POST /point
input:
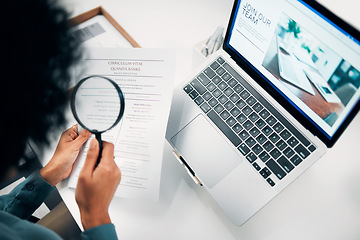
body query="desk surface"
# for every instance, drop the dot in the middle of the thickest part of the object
(324, 203)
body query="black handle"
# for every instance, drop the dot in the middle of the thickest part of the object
(98, 138)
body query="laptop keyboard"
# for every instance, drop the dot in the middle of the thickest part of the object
(272, 145)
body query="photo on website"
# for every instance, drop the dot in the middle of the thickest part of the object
(312, 71)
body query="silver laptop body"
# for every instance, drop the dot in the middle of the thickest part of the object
(238, 139)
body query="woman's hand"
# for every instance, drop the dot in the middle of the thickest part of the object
(97, 185)
(67, 150)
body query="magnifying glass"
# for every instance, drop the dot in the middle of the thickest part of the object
(97, 104)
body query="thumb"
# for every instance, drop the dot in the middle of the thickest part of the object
(82, 138)
(91, 157)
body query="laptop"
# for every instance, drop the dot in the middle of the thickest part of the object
(241, 131)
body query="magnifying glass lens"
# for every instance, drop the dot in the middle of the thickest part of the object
(97, 104)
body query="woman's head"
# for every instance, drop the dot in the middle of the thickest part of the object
(38, 51)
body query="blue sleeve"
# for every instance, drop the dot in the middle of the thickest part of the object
(26, 197)
(106, 231)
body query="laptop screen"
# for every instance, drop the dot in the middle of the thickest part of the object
(308, 59)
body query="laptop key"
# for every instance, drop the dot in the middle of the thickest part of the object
(213, 102)
(216, 80)
(228, 91)
(274, 137)
(312, 148)
(267, 130)
(288, 152)
(296, 160)
(276, 169)
(203, 79)
(237, 128)
(285, 134)
(247, 110)
(254, 132)
(226, 77)
(251, 157)
(243, 149)
(224, 128)
(268, 146)
(219, 108)
(278, 127)
(257, 149)
(209, 72)
(220, 60)
(263, 174)
(207, 96)
(250, 142)
(238, 88)
(231, 121)
(256, 166)
(199, 100)
(244, 135)
(292, 142)
(211, 87)
(241, 118)
(271, 120)
(229, 105)
(270, 181)
(222, 85)
(198, 86)
(248, 125)
(220, 71)
(240, 104)
(193, 94)
(225, 114)
(264, 113)
(232, 82)
(217, 93)
(285, 164)
(302, 151)
(260, 124)
(264, 156)
(245, 94)
(281, 145)
(234, 97)
(275, 153)
(214, 65)
(251, 101)
(261, 138)
(205, 107)
(257, 107)
(188, 88)
(253, 117)
(235, 112)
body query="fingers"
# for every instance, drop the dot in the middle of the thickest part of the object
(107, 158)
(108, 152)
(91, 157)
(82, 138)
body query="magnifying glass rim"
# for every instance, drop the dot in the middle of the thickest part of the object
(122, 103)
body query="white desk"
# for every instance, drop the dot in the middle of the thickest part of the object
(324, 203)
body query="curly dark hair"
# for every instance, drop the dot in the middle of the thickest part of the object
(38, 52)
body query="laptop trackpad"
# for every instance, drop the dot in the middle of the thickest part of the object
(206, 151)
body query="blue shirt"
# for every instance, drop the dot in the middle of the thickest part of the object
(23, 200)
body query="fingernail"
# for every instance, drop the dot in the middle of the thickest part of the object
(93, 144)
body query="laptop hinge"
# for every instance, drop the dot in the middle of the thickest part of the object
(187, 167)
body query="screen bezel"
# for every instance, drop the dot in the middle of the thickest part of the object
(329, 141)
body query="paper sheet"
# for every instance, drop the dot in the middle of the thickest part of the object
(146, 79)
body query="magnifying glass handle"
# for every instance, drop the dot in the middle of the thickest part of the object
(98, 138)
